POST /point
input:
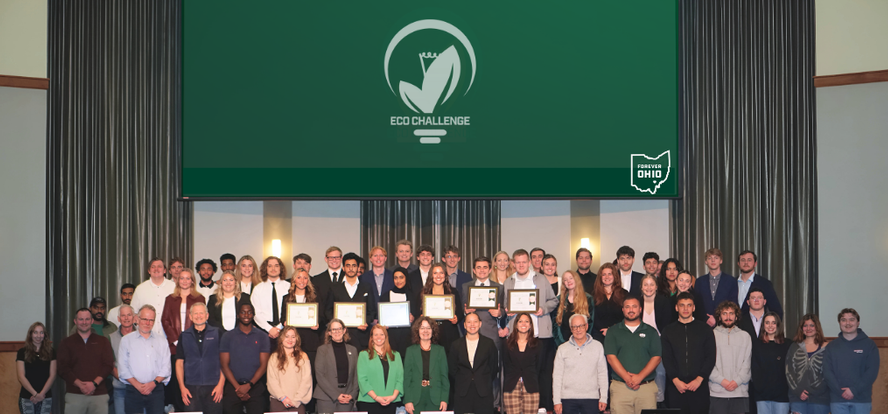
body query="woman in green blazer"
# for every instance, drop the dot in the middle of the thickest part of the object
(426, 382)
(380, 375)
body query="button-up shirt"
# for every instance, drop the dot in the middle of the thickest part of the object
(144, 358)
(147, 293)
(261, 299)
(713, 284)
(743, 287)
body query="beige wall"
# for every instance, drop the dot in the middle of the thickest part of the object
(23, 34)
(851, 36)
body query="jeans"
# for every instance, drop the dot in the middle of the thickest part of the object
(583, 406)
(43, 407)
(660, 379)
(850, 408)
(772, 407)
(119, 398)
(136, 403)
(808, 408)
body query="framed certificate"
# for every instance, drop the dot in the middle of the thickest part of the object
(483, 297)
(394, 314)
(352, 314)
(302, 315)
(523, 300)
(438, 306)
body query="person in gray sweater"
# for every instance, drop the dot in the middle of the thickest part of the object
(729, 380)
(579, 377)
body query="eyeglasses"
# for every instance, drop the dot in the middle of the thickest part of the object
(146, 320)
(425, 328)
(450, 256)
(335, 330)
(334, 257)
(583, 326)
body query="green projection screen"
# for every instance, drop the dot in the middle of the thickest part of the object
(414, 99)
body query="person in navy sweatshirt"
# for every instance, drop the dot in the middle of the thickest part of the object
(850, 366)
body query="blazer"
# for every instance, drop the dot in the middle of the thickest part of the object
(215, 318)
(635, 288)
(415, 280)
(322, 281)
(338, 293)
(489, 324)
(663, 311)
(439, 389)
(170, 320)
(325, 366)
(461, 279)
(772, 302)
(463, 373)
(388, 282)
(526, 365)
(370, 377)
(547, 300)
(727, 290)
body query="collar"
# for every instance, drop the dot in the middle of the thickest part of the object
(751, 278)
(574, 343)
(484, 283)
(201, 285)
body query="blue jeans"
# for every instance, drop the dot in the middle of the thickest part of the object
(119, 398)
(850, 408)
(808, 408)
(136, 403)
(772, 407)
(584, 406)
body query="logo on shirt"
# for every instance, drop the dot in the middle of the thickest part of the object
(446, 72)
(649, 173)
(641, 335)
(858, 351)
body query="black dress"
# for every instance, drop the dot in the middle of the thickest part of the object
(447, 331)
(400, 338)
(607, 314)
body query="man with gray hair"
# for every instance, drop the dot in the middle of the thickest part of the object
(126, 317)
(143, 362)
(579, 378)
(197, 364)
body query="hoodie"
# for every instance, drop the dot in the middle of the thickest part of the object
(851, 364)
(732, 362)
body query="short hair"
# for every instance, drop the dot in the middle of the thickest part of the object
(328, 336)
(125, 306)
(630, 296)
(155, 259)
(650, 255)
(227, 256)
(578, 315)
(425, 248)
(149, 307)
(127, 285)
(724, 306)
(684, 296)
(482, 259)
(375, 248)
(754, 256)
(206, 261)
(83, 310)
(350, 256)
(177, 260)
(520, 252)
(97, 300)
(537, 249)
(302, 256)
(198, 303)
(246, 303)
(627, 251)
(581, 250)
(360, 261)
(332, 249)
(755, 289)
(404, 242)
(848, 310)
(713, 252)
(452, 249)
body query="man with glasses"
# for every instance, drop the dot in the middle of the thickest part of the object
(380, 279)
(747, 261)
(144, 365)
(579, 379)
(456, 277)
(633, 350)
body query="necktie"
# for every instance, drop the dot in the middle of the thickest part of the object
(334, 276)
(274, 306)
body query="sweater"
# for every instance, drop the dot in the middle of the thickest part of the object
(733, 351)
(806, 374)
(769, 370)
(851, 364)
(688, 350)
(580, 371)
(85, 361)
(294, 382)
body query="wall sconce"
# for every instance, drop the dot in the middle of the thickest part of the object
(276, 248)
(584, 243)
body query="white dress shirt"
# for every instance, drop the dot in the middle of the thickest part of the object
(144, 358)
(527, 283)
(147, 293)
(625, 279)
(261, 299)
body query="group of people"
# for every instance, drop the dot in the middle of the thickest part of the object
(617, 340)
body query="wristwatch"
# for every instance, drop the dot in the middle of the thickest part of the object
(94, 384)
(156, 382)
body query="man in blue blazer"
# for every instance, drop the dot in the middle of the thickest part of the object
(747, 261)
(380, 279)
(716, 286)
(456, 277)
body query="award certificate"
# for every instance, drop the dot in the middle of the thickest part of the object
(483, 297)
(394, 314)
(352, 314)
(302, 315)
(438, 306)
(523, 300)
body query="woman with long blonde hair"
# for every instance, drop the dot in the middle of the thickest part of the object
(289, 374)
(222, 305)
(572, 299)
(502, 267)
(247, 273)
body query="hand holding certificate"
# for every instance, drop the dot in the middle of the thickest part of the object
(438, 306)
(483, 297)
(302, 315)
(523, 300)
(352, 314)
(394, 314)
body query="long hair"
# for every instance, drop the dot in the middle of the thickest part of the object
(414, 330)
(509, 269)
(178, 291)
(310, 295)
(819, 338)
(387, 349)
(512, 340)
(724, 306)
(599, 294)
(263, 269)
(220, 294)
(778, 336)
(580, 305)
(430, 281)
(31, 351)
(254, 279)
(328, 336)
(662, 282)
(281, 352)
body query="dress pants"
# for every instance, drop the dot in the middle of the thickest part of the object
(472, 402)
(691, 402)
(202, 400)
(547, 365)
(257, 404)
(86, 404)
(136, 403)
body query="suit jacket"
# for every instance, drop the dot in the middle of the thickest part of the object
(635, 288)
(171, 318)
(338, 293)
(438, 375)
(726, 290)
(215, 317)
(415, 280)
(663, 311)
(772, 301)
(547, 300)
(461, 279)
(463, 372)
(322, 281)
(328, 384)
(371, 377)
(489, 324)
(526, 365)
(744, 322)
(388, 282)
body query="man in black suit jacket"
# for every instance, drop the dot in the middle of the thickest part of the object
(425, 255)
(630, 279)
(342, 292)
(584, 271)
(333, 274)
(472, 372)
(747, 261)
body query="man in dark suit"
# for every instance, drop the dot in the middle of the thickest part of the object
(425, 255)
(716, 286)
(456, 277)
(489, 324)
(756, 307)
(584, 271)
(747, 261)
(380, 279)
(333, 274)
(631, 280)
(473, 362)
(352, 290)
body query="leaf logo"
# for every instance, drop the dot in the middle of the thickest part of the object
(444, 70)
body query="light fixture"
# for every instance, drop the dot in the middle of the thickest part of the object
(584, 243)
(276, 248)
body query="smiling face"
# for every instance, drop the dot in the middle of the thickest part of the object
(403, 253)
(651, 265)
(770, 324)
(502, 262)
(549, 266)
(378, 258)
(302, 264)
(245, 314)
(849, 323)
(438, 275)
(524, 324)
(584, 261)
(425, 331)
(156, 269)
(126, 317)
(199, 314)
(185, 280)
(425, 258)
(683, 282)
(37, 336)
(569, 282)
(631, 310)
(333, 259)
(301, 280)
(336, 331)
(451, 259)
(378, 336)
(536, 258)
(607, 277)
(400, 280)
(809, 329)
(228, 283)
(175, 268)
(649, 287)
(247, 268)
(522, 264)
(481, 269)
(289, 340)
(473, 324)
(83, 320)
